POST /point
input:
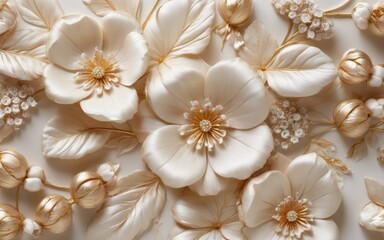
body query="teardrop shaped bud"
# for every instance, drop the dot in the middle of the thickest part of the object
(235, 12)
(88, 190)
(54, 213)
(352, 118)
(355, 67)
(13, 169)
(376, 21)
(11, 222)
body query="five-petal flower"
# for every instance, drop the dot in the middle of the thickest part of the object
(214, 126)
(96, 64)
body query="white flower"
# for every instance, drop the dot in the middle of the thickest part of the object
(213, 126)
(210, 217)
(96, 64)
(377, 77)
(372, 215)
(293, 205)
(361, 14)
(376, 107)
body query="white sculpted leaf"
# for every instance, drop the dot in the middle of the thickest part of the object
(104, 7)
(259, 46)
(375, 191)
(135, 204)
(299, 71)
(71, 135)
(372, 217)
(20, 65)
(180, 27)
(40, 13)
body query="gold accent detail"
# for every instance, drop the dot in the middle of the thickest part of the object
(99, 73)
(205, 125)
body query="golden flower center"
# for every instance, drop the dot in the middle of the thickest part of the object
(98, 73)
(292, 216)
(205, 125)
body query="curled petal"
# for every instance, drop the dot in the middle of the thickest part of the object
(311, 178)
(234, 85)
(242, 153)
(169, 156)
(70, 37)
(118, 105)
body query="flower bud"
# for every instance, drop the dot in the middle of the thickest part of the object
(377, 77)
(13, 169)
(235, 12)
(352, 118)
(10, 222)
(31, 227)
(361, 15)
(54, 213)
(376, 21)
(88, 190)
(107, 172)
(35, 179)
(376, 107)
(355, 67)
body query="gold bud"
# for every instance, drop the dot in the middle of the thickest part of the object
(352, 118)
(11, 222)
(54, 213)
(355, 67)
(376, 21)
(13, 169)
(88, 190)
(235, 12)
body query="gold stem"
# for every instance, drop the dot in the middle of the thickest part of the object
(111, 130)
(339, 7)
(321, 122)
(338, 14)
(288, 32)
(55, 186)
(138, 10)
(321, 132)
(18, 197)
(38, 92)
(378, 124)
(150, 14)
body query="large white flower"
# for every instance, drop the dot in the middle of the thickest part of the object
(96, 64)
(293, 205)
(214, 126)
(209, 217)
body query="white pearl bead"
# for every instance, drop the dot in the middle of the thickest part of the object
(36, 172)
(33, 184)
(31, 227)
(107, 171)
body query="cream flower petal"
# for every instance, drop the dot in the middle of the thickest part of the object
(322, 229)
(210, 184)
(118, 105)
(372, 217)
(235, 86)
(171, 93)
(232, 231)
(242, 153)
(61, 86)
(116, 27)
(145, 121)
(132, 59)
(265, 231)
(194, 211)
(72, 36)
(261, 196)
(311, 178)
(212, 235)
(191, 234)
(169, 156)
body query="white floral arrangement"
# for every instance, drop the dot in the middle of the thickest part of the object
(133, 76)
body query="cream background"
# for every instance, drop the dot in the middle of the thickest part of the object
(28, 141)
